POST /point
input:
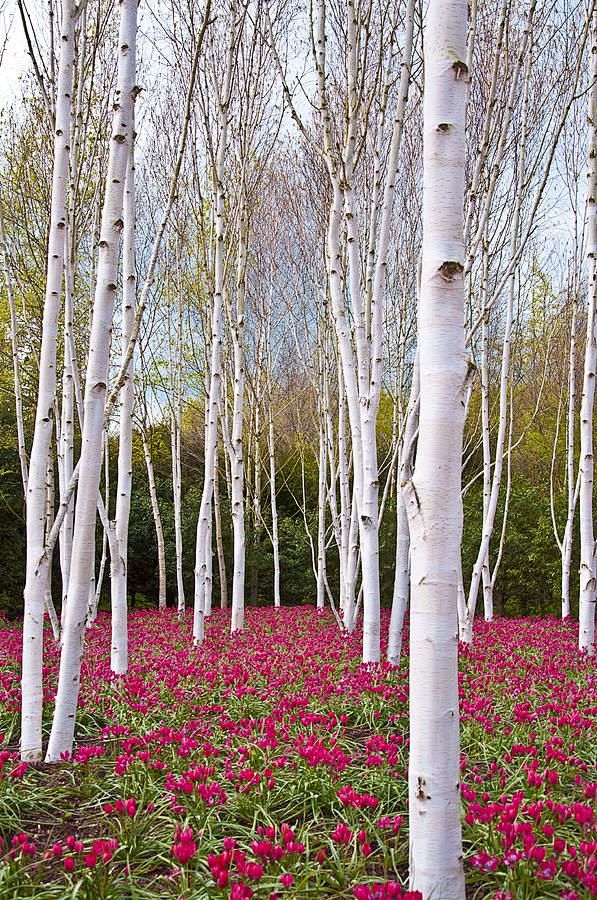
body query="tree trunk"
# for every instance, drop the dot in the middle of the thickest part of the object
(157, 520)
(586, 606)
(215, 371)
(274, 506)
(63, 725)
(237, 468)
(321, 492)
(402, 572)
(490, 506)
(36, 573)
(433, 495)
(14, 340)
(567, 539)
(219, 539)
(119, 567)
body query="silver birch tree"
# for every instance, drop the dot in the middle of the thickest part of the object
(433, 494)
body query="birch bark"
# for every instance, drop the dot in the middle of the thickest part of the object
(215, 383)
(567, 539)
(274, 504)
(235, 445)
(119, 566)
(588, 587)
(402, 572)
(14, 342)
(176, 431)
(157, 521)
(433, 495)
(63, 724)
(490, 503)
(36, 572)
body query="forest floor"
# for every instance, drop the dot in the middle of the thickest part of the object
(273, 765)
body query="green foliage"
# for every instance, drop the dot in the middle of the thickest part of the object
(296, 573)
(529, 579)
(528, 582)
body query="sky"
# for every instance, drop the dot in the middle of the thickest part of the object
(15, 60)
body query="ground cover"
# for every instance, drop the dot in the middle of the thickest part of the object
(273, 765)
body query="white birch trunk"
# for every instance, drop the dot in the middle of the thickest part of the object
(256, 510)
(490, 506)
(95, 585)
(402, 572)
(209, 567)
(219, 539)
(401, 582)
(360, 341)
(215, 383)
(500, 552)
(50, 491)
(67, 429)
(586, 606)
(176, 459)
(157, 521)
(237, 498)
(485, 426)
(61, 737)
(567, 539)
(434, 495)
(119, 566)
(14, 341)
(321, 495)
(274, 506)
(176, 364)
(177, 492)
(348, 549)
(36, 573)
(237, 468)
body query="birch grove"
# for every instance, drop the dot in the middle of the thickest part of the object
(298, 308)
(96, 386)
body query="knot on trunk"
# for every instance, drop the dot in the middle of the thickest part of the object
(420, 791)
(460, 69)
(450, 269)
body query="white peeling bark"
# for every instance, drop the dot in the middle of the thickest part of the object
(348, 543)
(50, 491)
(359, 331)
(235, 447)
(215, 370)
(157, 521)
(490, 504)
(219, 539)
(119, 565)
(434, 494)
(63, 725)
(588, 586)
(321, 493)
(96, 584)
(35, 582)
(567, 539)
(176, 431)
(14, 341)
(402, 572)
(274, 505)
(67, 429)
